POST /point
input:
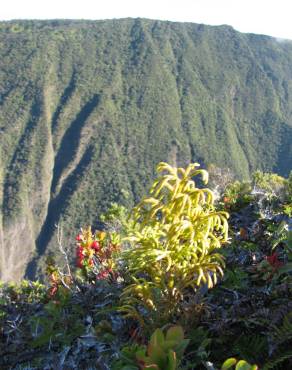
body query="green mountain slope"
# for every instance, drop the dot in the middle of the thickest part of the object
(88, 108)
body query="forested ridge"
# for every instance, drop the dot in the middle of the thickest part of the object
(88, 108)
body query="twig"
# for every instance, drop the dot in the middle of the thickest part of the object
(62, 250)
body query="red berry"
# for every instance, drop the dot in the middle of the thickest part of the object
(79, 262)
(95, 245)
(102, 275)
(79, 237)
(79, 252)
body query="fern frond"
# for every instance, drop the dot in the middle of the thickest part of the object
(284, 332)
(252, 348)
(275, 363)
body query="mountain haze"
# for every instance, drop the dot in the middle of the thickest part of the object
(88, 108)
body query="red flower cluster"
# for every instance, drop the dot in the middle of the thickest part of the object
(80, 256)
(103, 274)
(274, 261)
(96, 250)
(86, 248)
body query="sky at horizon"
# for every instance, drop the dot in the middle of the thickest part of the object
(267, 17)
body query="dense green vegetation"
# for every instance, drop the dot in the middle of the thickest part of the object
(171, 285)
(87, 109)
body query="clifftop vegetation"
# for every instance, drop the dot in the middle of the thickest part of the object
(186, 280)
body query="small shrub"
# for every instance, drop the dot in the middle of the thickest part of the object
(174, 248)
(237, 195)
(96, 254)
(270, 182)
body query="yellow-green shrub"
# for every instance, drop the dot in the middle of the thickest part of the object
(270, 182)
(174, 248)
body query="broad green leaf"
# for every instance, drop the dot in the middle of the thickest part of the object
(172, 362)
(169, 344)
(175, 333)
(243, 365)
(228, 363)
(157, 338)
(157, 355)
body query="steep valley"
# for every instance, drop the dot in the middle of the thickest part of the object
(88, 108)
